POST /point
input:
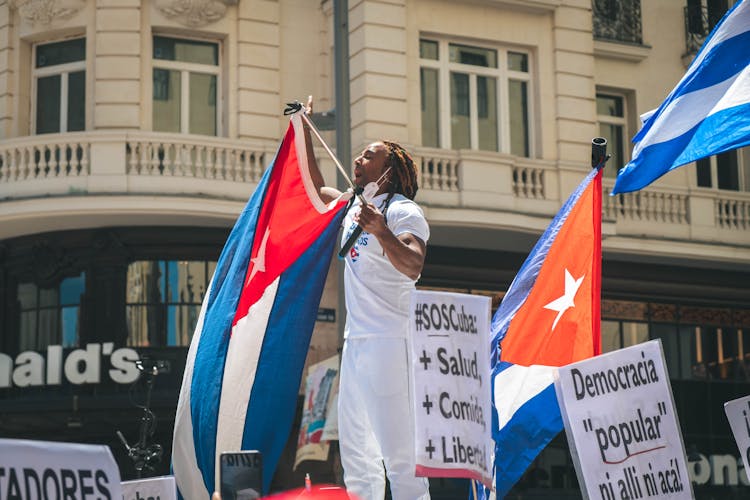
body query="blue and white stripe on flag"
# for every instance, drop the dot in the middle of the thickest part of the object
(244, 365)
(707, 113)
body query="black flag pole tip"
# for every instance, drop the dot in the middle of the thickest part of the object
(292, 107)
(599, 155)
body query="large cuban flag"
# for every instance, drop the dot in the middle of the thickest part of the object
(245, 361)
(707, 113)
(548, 318)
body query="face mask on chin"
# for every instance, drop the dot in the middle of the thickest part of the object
(371, 188)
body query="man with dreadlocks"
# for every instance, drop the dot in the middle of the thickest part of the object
(376, 424)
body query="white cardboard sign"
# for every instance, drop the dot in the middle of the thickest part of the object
(622, 427)
(449, 345)
(738, 413)
(153, 488)
(43, 469)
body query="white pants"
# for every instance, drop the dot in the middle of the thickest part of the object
(376, 423)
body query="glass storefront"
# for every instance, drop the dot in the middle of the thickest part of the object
(78, 309)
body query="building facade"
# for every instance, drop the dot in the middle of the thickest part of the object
(133, 131)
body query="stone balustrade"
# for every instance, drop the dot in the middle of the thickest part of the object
(160, 164)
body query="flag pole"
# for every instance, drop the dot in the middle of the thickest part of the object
(295, 107)
(355, 189)
(328, 150)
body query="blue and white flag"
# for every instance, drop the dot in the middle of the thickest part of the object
(244, 365)
(707, 113)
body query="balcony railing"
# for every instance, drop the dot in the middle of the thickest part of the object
(130, 162)
(506, 188)
(733, 214)
(617, 20)
(54, 157)
(150, 155)
(646, 206)
(528, 182)
(438, 171)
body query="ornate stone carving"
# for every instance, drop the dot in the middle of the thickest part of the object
(194, 13)
(46, 11)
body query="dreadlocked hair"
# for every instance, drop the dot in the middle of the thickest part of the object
(404, 173)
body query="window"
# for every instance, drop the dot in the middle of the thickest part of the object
(59, 80)
(617, 20)
(475, 97)
(701, 16)
(700, 343)
(185, 80)
(50, 316)
(163, 301)
(719, 353)
(729, 170)
(610, 111)
(620, 334)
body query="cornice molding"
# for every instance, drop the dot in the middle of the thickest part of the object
(622, 51)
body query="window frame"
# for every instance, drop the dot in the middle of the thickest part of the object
(742, 157)
(64, 70)
(161, 308)
(185, 69)
(58, 309)
(617, 121)
(502, 74)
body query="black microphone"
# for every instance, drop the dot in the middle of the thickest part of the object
(357, 230)
(350, 242)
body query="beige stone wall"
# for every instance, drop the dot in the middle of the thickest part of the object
(7, 73)
(574, 81)
(116, 64)
(378, 70)
(259, 68)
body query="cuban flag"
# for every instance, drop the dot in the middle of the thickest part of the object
(548, 318)
(244, 365)
(707, 113)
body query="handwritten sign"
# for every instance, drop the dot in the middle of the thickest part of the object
(449, 342)
(738, 413)
(622, 427)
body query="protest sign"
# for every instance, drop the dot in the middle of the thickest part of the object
(738, 413)
(449, 346)
(320, 388)
(153, 488)
(331, 429)
(622, 427)
(43, 469)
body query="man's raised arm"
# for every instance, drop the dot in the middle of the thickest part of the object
(327, 193)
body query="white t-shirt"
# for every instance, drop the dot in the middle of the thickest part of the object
(377, 295)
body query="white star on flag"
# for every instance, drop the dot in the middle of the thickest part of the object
(565, 302)
(259, 262)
